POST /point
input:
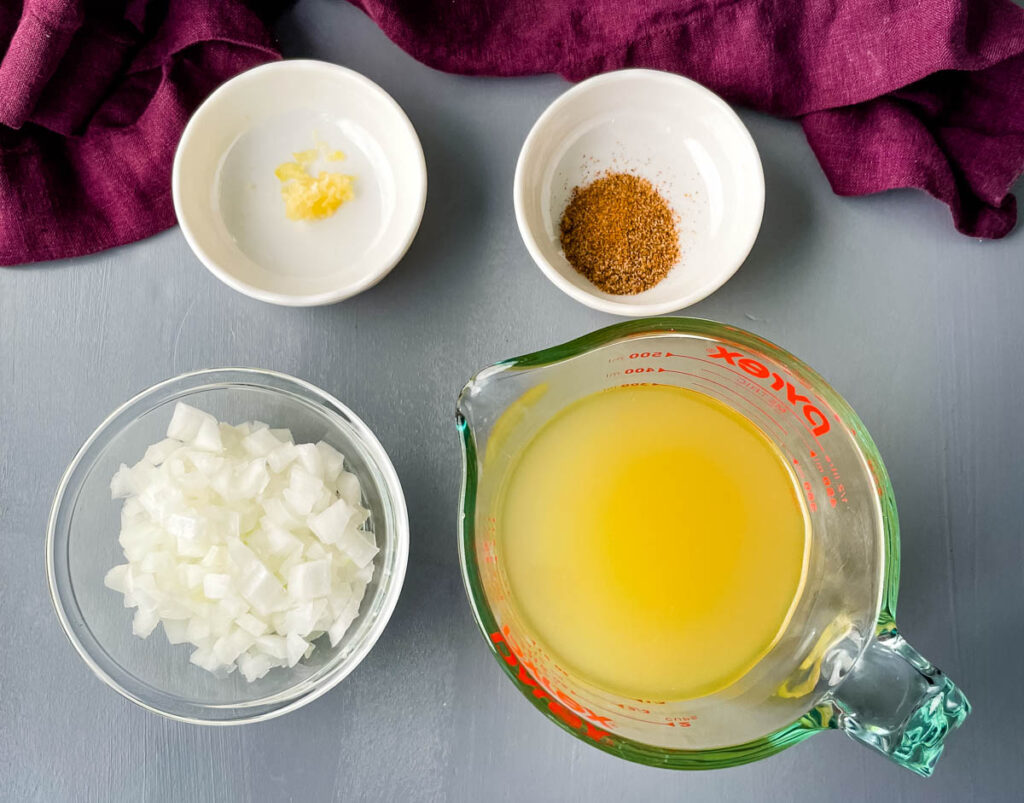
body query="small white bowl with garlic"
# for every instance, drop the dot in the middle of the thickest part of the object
(321, 120)
(251, 555)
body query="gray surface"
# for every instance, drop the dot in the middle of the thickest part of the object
(919, 327)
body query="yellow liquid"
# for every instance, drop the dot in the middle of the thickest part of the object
(654, 540)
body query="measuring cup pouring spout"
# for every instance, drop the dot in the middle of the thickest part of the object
(839, 663)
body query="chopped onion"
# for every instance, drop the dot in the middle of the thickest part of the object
(296, 647)
(242, 543)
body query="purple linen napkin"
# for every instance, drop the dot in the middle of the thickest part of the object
(93, 98)
(891, 93)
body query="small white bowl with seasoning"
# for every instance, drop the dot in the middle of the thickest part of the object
(299, 183)
(669, 192)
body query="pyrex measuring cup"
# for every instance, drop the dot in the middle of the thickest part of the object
(840, 661)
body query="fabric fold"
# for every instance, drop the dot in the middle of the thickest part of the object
(891, 93)
(34, 53)
(88, 164)
(927, 94)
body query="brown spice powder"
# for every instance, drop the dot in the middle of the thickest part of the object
(620, 233)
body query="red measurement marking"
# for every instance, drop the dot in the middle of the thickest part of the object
(817, 419)
(742, 375)
(751, 414)
(756, 369)
(559, 703)
(772, 418)
(834, 488)
(725, 387)
(810, 497)
(762, 392)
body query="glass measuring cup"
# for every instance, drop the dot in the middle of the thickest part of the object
(840, 662)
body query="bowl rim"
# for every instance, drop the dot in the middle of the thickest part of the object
(391, 593)
(589, 297)
(417, 183)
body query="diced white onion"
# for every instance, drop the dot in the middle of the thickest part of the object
(296, 646)
(282, 457)
(253, 666)
(348, 487)
(144, 622)
(217, 586)
(310, 580)
(303, 490)
(329, 526)
(250, 624)
(242, 543)
(116, 579)
(310, 459)
(208, 436)
(204, 658)
(332, 459)
(176, 630)
(260, 443)
(358, 545)
(185, 422)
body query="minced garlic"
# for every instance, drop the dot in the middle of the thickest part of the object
(309, 197)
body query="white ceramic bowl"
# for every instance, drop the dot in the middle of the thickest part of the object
(668, 129)
(228, 200)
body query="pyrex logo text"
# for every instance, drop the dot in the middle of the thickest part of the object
(564, 707)
(816, 418)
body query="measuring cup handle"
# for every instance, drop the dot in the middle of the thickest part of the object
(897, 702)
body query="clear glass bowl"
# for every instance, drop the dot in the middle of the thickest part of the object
(82, 545)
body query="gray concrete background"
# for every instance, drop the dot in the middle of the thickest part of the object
(919, 327)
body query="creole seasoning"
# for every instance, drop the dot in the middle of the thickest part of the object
(620, 233)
